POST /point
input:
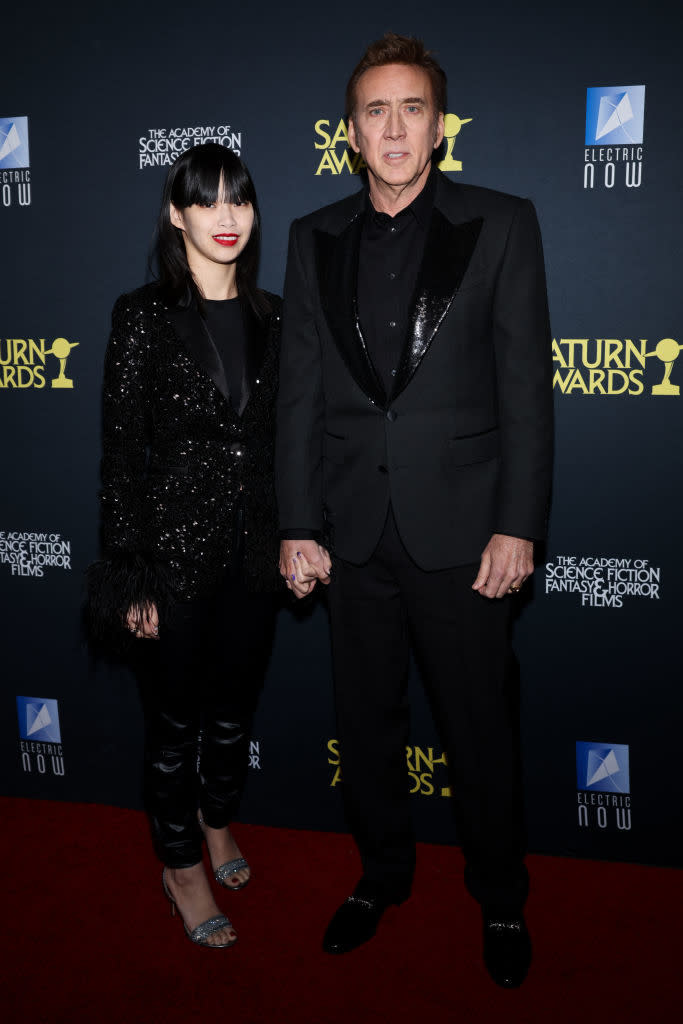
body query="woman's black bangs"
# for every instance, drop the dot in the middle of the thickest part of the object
(202, 184)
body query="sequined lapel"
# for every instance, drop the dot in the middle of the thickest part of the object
(447, 253)
(192, 331)
(337, 263)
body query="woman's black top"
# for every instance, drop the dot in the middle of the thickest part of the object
(225, 325)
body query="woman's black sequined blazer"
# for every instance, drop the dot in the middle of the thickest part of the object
(184, 478)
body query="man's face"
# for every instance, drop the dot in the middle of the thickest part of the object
(394, 126)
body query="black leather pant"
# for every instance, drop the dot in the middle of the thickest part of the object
(199, 684)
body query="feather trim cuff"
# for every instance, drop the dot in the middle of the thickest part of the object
(116, 583)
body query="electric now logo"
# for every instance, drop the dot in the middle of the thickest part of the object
(14, 142)
(40, 738)
(615, 115)
(38, 719)
(15, 170)
(603, 785)
(615, 126)
(601, 768)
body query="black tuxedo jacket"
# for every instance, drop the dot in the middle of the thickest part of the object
(463, 446)
(178, 461)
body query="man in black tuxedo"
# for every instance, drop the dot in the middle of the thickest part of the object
(415, 445)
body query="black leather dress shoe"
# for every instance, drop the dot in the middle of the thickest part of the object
(354, 923)
(507, 949)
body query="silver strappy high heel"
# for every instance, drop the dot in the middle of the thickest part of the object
(201, 933)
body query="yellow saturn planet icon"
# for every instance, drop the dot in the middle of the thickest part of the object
(666, 351)
(61, 349)
(452, 124)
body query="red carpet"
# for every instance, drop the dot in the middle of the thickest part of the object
(87, 936)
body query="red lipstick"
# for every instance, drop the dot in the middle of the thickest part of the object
(227, 240)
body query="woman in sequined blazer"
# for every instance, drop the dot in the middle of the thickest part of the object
(188, 517)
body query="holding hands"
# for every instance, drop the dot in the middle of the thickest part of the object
(302, 564)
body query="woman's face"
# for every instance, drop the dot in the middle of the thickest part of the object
(216, 233)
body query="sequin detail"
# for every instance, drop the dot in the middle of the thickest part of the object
(227, 870)
(368, 904)
(201, 933)
(501, 927)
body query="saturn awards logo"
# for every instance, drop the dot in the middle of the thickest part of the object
(613, 153)
(23, 363)
(40, 737)
(603, 786)
(616, 366)
(160, 147)
(427, 772)
(452, 126)
(337, 157)
(15, 168)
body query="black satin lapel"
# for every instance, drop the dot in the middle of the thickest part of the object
(448, 250)
(257, 334)
(191, 330)
(337, 263)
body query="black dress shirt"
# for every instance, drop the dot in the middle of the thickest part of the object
(389, 261)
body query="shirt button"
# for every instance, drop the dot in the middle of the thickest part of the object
(392, 323)
(393, 229)
(392, 277)
(391, 415)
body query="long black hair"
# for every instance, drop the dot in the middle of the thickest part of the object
(197, 177)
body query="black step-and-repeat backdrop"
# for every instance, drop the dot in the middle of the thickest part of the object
(577, 108)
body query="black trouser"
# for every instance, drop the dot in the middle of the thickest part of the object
(199, 683)
(462, 643)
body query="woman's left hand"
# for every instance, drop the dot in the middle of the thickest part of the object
(143, 622)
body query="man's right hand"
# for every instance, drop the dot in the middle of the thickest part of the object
(302, 564)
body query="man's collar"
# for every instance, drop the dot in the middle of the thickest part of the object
(420, 208)
(422, 204)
